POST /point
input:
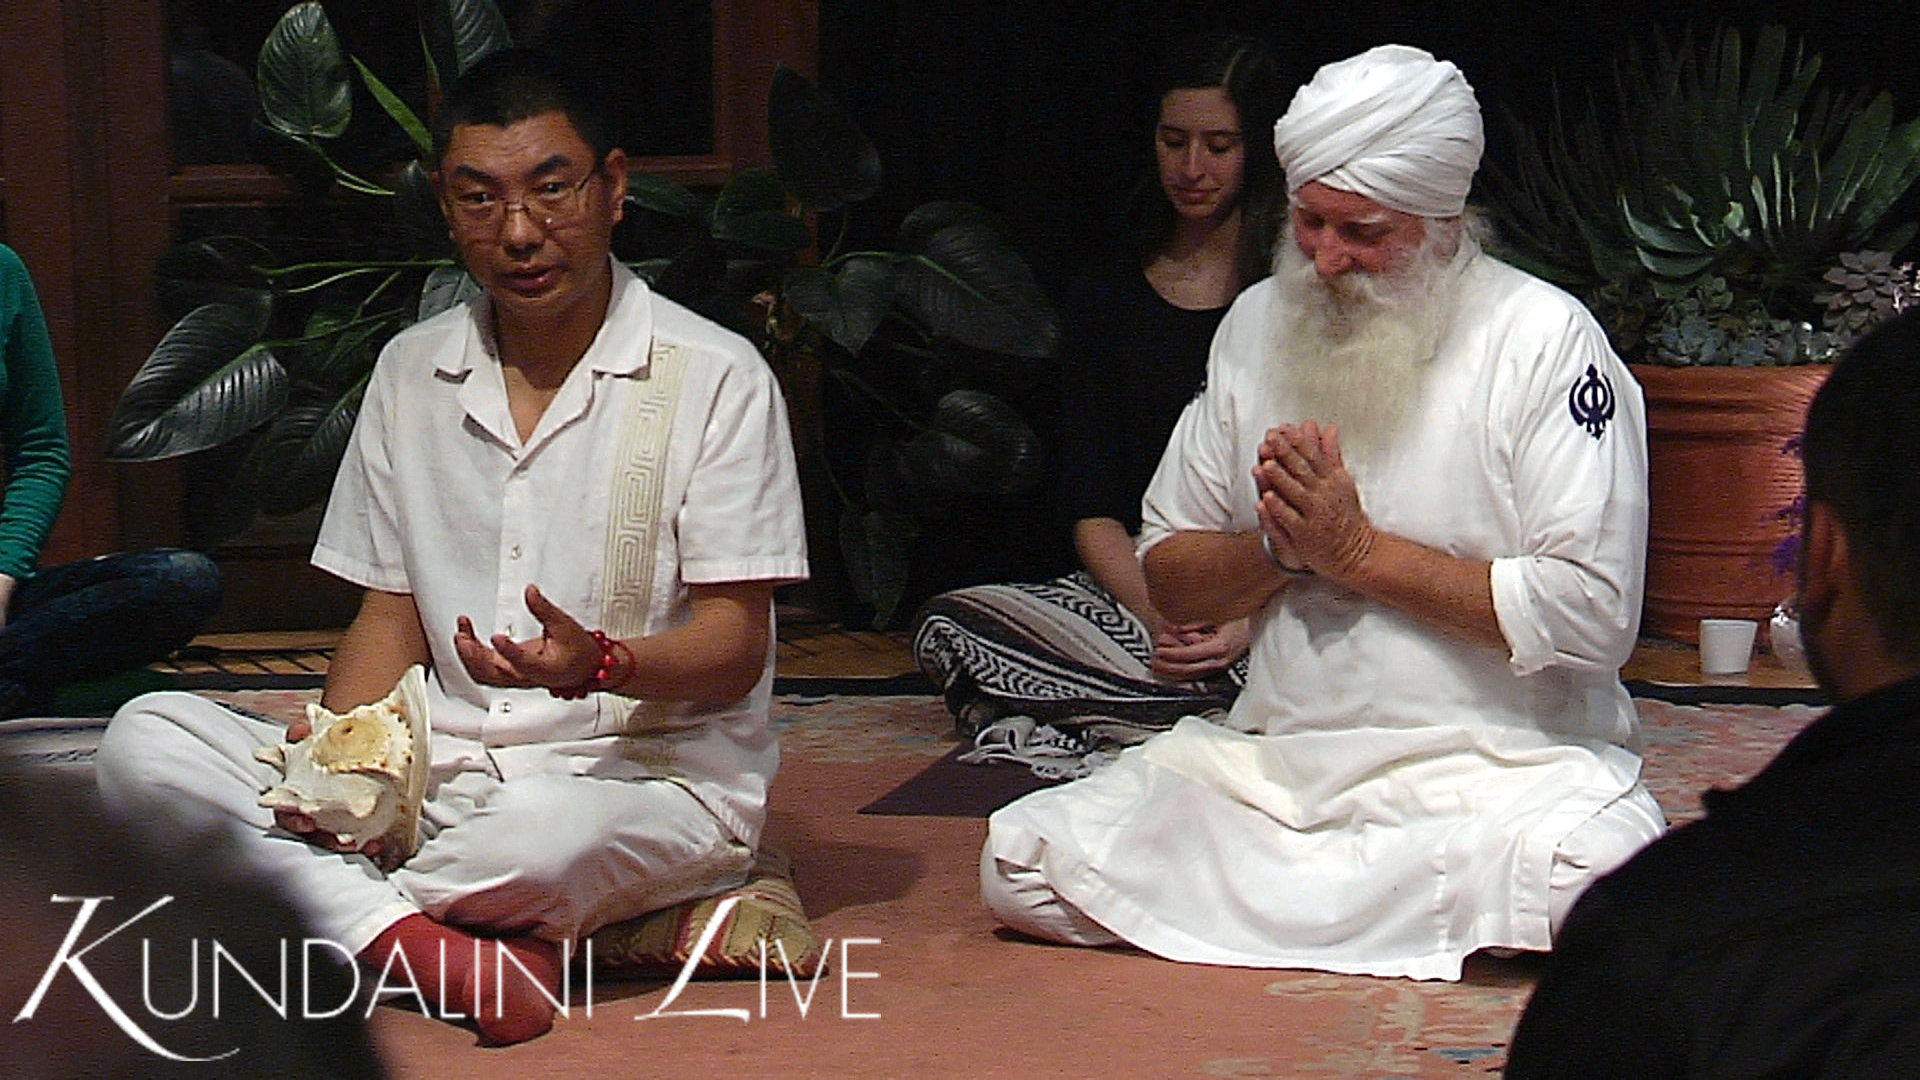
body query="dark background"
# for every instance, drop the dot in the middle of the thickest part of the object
(1034, 108)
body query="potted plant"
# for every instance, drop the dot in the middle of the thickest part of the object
(270, 355)
(1730, 223)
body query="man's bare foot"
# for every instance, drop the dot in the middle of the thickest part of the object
(476, 978)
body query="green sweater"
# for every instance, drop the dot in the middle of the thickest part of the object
(33, 422)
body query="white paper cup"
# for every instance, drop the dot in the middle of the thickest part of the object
(1726, 645)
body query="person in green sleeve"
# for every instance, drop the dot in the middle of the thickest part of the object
(76, 620)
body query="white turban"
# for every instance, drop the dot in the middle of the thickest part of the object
(1393, 124)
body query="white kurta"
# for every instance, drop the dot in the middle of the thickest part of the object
(1403, 807)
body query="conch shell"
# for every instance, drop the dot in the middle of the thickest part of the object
(360, 775)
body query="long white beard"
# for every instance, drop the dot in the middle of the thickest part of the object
(1355, 351)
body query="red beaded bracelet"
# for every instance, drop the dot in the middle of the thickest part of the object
(603, 677)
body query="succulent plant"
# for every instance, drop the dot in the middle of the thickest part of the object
(1713, 170)
(1707, 325)
(1867, 289)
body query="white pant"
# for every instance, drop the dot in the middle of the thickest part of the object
(1020, 897)
(556, 856)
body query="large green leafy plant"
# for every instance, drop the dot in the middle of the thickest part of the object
(271, 353)
(279, 335)
(910, 343)
(1720, 207)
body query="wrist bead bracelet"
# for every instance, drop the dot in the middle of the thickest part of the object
(614, 656)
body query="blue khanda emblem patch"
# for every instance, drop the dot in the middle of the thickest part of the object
(1591, 401)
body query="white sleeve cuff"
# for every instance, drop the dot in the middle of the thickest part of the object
(1520, 620)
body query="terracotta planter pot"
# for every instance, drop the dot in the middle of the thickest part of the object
(1718, 478)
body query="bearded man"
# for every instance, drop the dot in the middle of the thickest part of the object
(1422, 473)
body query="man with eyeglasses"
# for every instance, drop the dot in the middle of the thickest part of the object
(571, 500)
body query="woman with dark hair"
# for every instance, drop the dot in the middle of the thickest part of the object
(1054, 673)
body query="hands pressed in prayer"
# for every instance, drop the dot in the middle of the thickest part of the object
(1186, 651)
(565, 653)
(1309, 505)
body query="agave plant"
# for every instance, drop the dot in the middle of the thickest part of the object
(277, 353)
(1703, 205)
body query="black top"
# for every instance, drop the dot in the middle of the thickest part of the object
(1131, 361)
(1778, 936)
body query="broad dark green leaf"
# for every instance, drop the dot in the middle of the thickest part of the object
(416, 210)
(884, 483)
(1675, 267)
(694, 276)
(750, 191)
(752, 209)
(846, 304)
(650, 270)
(205, 383)
(298, 457)
(767, 230)
(878, 549)
(397, 109)
(458, 32)
(1665, 237)
(975, 444)
(315, 345)
(924, 222)
(446, 287)
(965, 282)
(337, 349)
(299, 158)
(820, 154)
(890, 542)
(216, 269)
(660, 195)
(302, 75)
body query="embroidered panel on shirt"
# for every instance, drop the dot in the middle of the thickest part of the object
(634, 518)
(634, 514)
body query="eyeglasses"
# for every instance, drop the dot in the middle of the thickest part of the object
(553, 204)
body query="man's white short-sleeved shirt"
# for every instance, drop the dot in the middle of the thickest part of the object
(668, 420)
